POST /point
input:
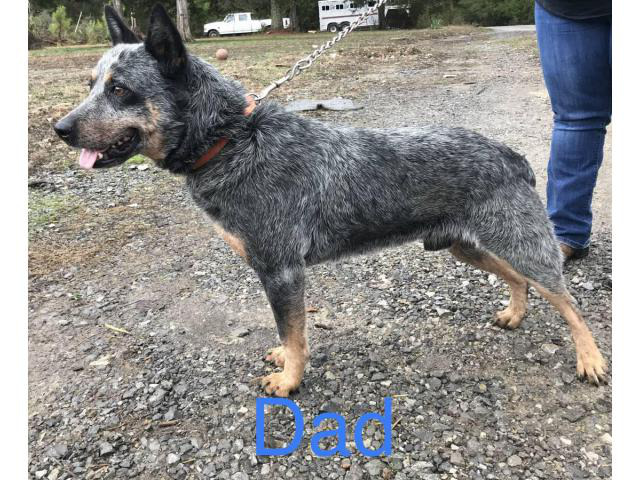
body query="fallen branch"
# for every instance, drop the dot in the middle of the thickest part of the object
(168, 423)
(116, 329)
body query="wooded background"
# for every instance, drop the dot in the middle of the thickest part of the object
(81, 21)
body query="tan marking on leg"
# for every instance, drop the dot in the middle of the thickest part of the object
(295, 350)
(236, 244)
(590, 362)
(512, 316)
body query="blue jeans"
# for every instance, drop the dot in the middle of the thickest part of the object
(576, 63)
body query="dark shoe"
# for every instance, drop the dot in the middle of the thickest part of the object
(571, 253)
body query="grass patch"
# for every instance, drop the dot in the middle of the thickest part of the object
(522, 42)
(68, 50)
(136, 160)
(46, 208)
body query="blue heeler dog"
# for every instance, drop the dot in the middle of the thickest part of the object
(286, 191)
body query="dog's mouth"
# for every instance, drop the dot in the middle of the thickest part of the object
(115, 154)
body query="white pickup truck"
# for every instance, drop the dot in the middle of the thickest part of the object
(237, 23)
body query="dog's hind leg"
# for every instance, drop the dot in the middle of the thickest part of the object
(512, 316)
(589, 362)
(513, 226)
(285, 289)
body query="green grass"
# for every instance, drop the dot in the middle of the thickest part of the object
(46, 208)
(136, 160)
(68, 50)
(259, 38)
(244, 40)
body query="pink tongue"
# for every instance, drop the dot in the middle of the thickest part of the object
(88, 158)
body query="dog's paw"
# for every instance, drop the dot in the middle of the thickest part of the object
(276, 355)
(279, 384)
(591, 365)
(509, 318)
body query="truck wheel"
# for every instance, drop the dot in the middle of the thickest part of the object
(213, 33)
(344, 25)
(333, 28)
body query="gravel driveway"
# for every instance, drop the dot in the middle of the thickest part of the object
(147, 333)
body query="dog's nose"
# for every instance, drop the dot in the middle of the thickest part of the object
(64, 128)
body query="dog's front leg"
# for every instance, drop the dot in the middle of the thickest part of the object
(285, 290)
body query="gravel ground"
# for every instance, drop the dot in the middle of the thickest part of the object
(147, 333)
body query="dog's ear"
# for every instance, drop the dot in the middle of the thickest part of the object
(118, 30)
(164, 43)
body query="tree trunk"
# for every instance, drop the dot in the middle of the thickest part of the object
(276, 16)
(33, 41)
(117, 4)
(382, 23)
(182, 20)
(293, 16)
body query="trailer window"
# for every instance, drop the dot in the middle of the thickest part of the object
(339, 7)
(352, 5)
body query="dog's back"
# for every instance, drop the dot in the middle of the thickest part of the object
(343, 190)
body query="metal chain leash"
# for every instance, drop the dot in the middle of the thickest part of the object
(304, 63)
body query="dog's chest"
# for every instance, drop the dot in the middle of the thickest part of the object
(211, 205)
(207, 197)
(234, 240)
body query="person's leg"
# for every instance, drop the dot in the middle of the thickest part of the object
(576, 63)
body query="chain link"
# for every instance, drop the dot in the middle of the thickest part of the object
(304, 63)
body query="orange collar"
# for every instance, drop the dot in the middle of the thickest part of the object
(219, 145)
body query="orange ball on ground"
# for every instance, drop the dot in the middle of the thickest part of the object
(222, 54)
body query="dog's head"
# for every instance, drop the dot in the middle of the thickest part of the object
(135, 96)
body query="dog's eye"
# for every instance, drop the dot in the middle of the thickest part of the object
(119, 91)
